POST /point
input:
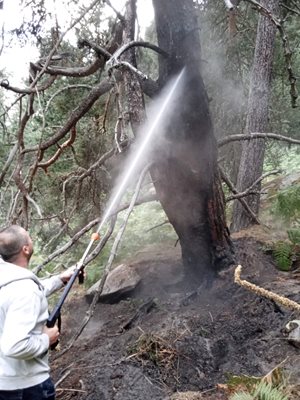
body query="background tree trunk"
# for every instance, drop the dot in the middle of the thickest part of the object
(252, 159)
(185, 173)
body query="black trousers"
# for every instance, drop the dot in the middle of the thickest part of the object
(43, 391)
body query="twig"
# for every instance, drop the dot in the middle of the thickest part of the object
(241, 200)
(114, 61)
(247, 192)
(70, 390)
(292, 305)
(290, 9)
(157, 226)
(257, 135)
(107, 269)
(62, 378)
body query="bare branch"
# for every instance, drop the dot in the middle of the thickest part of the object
(247, 192)
(8, 162)
(54, 49)
(85, 229)
(76, 72)
(82, 109)
(241, 200)
(100, 51)
(114, 61)
(137, 43)
(257, 135)
(5, 84)
(61, 148)
(120, 16)
(292, 10)
(113, 253)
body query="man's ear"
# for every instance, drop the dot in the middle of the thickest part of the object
(26, 249)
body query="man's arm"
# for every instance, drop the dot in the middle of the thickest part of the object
(56, 282)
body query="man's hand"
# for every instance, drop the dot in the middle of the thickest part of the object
(52, 333)
(66, 275)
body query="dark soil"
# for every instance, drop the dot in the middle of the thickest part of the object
(167, 339)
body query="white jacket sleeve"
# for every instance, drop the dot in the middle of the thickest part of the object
(22, 336)
(51, 284)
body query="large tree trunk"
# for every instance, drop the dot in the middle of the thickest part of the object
(185, 172)
(252, 159)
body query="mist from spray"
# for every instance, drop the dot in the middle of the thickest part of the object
(158, 116)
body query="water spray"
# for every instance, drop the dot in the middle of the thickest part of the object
(78, 272)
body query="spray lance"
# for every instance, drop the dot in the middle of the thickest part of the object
(78, 272)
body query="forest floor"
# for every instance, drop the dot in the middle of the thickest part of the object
(168, 342)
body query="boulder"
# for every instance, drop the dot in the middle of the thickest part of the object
(120, 282)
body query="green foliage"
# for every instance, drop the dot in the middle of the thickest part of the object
(282, 253)
(286, 252)
(288, 203)
(294, 236)
(245, 381)
(264, 391)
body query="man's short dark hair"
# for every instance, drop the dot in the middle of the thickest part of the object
(12, 239)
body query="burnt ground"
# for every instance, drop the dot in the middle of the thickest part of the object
(166, 339)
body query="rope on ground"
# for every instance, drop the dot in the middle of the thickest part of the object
(292, 305)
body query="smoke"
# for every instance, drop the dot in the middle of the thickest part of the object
(224, 75)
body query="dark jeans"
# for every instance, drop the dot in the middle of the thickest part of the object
(43, 391)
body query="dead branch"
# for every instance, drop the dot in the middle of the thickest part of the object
(69, 244)
(240, 195)
(75, 72)
(75, 115)
(55, 47)
(158, 225)
(8, 162)
(292, 10)
(87, 317)
(45, 165)
(247, 192)
(85, 229)
(136, 43)
(241, 200)
(89, 171)
(142, 310)
(286, 49)
(256, 135)
(141, 200)
(292, 305)
(5, 84)
(115, 62)
(120, 16)
(119, 127)
(100, 51)
(113, 253)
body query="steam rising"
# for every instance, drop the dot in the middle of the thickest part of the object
(147, 141)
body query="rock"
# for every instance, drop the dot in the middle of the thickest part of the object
(121, 281)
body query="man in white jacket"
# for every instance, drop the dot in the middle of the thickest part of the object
(24, 338)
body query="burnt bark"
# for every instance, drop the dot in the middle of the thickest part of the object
(253, 151)
(185, 173)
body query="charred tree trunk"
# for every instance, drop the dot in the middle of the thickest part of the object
(252, 159)
(185, 173)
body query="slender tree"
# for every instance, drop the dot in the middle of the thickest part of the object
(252, 159)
